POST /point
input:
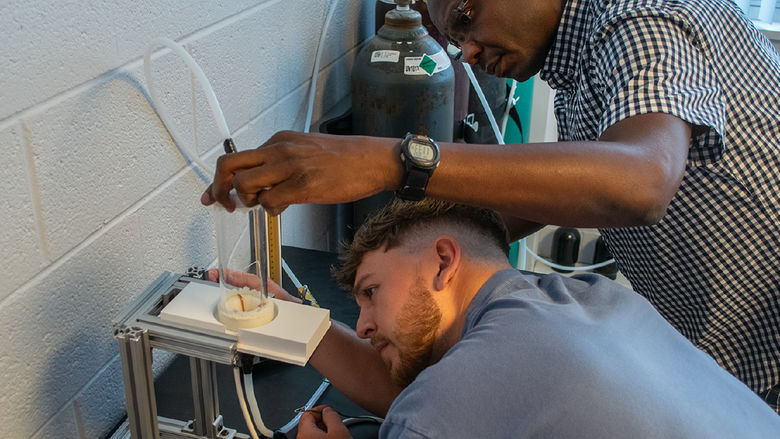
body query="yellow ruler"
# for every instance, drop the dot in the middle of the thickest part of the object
(274, 247)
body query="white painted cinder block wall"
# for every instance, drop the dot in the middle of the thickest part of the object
(96, 199)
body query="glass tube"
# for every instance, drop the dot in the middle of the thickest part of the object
(243, 267)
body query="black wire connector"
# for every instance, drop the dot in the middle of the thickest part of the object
(229, 146)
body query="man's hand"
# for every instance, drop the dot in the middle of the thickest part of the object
(322, 422)
(294, 168)
(244, 279)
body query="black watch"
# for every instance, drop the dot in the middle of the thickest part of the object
(420, 156)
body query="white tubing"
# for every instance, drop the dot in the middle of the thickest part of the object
(310, 103)
(250, 395)
(291, 275)
(242, 403)
(484, 102)
(521, 257)
(569, 268)
(209, 91)
(309, 404)
(216, 110)
(510, 102)
(316, 69)
(195, 158)
(212, 99)
(162, 111)
(500, 137)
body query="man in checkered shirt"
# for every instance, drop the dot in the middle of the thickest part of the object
(710, 264)
(669, 121)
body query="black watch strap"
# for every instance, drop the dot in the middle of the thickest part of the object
(415, 183)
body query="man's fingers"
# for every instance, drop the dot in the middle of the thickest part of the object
(322, 422)
(219, 190)
(227, 167)
(262, 175)
(280, 293)
(308, 428)
(253, 281)
(296, 168)
(331, 419)
(278, 198)
(244, 279)
(206, 199)
(239, 278)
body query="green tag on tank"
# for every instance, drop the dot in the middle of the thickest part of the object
(428, 64)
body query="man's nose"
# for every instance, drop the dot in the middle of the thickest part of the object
(470, 52)
(365, 327)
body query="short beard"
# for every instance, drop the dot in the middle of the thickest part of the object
(416, 334)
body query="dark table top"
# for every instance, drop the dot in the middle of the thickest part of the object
(279, 387)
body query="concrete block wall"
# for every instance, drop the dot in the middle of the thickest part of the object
(97, 200)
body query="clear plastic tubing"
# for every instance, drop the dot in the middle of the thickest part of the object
(205, 85)
(485, 105)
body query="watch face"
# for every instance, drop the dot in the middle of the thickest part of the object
(421, 151)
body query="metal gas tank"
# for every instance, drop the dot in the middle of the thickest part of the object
(403, 81)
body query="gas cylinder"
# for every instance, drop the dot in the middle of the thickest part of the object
(462, 84)
(403, 81)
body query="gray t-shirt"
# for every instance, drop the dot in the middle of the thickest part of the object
(583, 357)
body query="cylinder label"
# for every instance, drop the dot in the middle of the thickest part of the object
(426, 64)
(385, 56)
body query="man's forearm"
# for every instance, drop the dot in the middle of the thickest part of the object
(626, 178)
(355, 368)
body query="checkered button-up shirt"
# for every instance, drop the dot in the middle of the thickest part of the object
(711, 266)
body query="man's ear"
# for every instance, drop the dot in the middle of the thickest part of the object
(449, 253)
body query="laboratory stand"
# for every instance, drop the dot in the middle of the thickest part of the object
(195, 397)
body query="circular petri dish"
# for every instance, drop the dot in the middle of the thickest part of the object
(245, 308)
